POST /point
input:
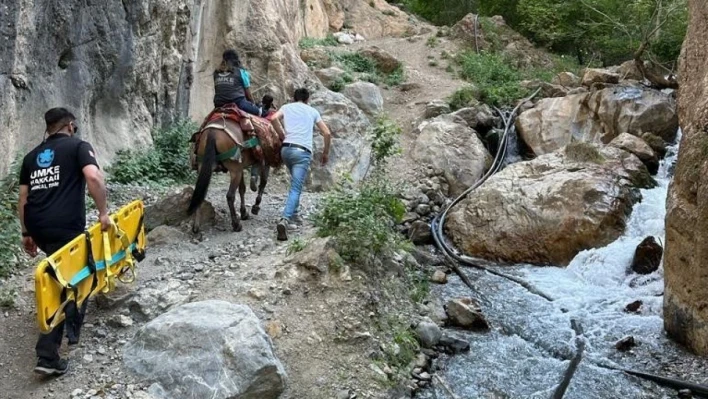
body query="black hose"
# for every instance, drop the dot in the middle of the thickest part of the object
(574, 363)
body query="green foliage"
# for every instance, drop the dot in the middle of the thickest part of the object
(610, 31)
(384, 140)
(432, 42)
(310, 42)
(442, 12)
(361, 219)
(356, 62)
(497, 81)
(295, 246)
(407, 345)
(366, 69)
(396, 77)
(167, 161)
(433, 63)
(466, 96)
(10, 237)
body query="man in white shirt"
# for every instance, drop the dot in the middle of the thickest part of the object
(299, 121)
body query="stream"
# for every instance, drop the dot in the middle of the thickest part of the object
(531, 342)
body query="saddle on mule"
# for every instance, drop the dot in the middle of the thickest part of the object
(262, 136)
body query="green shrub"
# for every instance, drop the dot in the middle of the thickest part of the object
(498, 82)
(337, 85)
(464, 97)
(7, 298)
(361, 219)
(295, 246)
(366, 69)
(10, 237)
(310, 42)
(167, 161)
(432, 42)
(396, 77)
(384, 140)
(356, 62)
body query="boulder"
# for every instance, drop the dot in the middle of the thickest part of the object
(656, 143)
(480, 118)
(163, 235)
(446, 144)
(345, 38)
(172, 210)
(149, 302)
(640, 148)
(317, 256)
(385, 62)
(455, 343)
(647, 256)
(629, 70)
(351, 152)
(436, 108)
(428, 333)
(420, 234)
(547, 210)
(633, 307)
(625, 344)
(597, 117)
(329, 75)
(372, 22)
(439, 277)
(316, 57)
(596, 75)
(212, 349)
(566, 79)
(686, 256)
(547, 89)
(466, 313)
(367, 96)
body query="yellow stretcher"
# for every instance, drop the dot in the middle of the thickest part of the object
(66, 276)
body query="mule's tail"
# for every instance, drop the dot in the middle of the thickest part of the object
(205, 171)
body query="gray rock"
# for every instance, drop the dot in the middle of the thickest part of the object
(423, 209)
(454, 342)
(385, 62)
(439, 277)
(163, 235)
(120, 321)
(367, 96)
(466, 313)
(212, 349)
(317, 256)
(436, 108)
(428, 333)
(351, 152)
(446, 143)
(329, 75)
(420, 233)
(172, 210)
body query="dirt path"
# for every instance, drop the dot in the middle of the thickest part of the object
(425, 82)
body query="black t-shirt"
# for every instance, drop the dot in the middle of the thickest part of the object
(56, 204)
(230, 86)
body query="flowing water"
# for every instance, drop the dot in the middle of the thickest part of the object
(531, 343)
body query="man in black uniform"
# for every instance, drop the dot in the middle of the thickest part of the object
(52, 206)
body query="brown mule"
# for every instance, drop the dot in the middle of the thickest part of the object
(212, 142)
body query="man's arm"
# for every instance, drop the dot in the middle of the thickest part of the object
(24, 191)
(277, 125)
(27, 242)
(249, 97)
(97, 190)
(324, 131)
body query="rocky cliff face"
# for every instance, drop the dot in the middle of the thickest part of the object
(124, 67)
(686, 257)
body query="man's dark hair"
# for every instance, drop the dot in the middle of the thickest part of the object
(230, 60)
(267, 101)
(302, 95)
(56, 118)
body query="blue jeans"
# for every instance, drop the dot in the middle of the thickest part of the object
(248, 106)
(298, 163)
